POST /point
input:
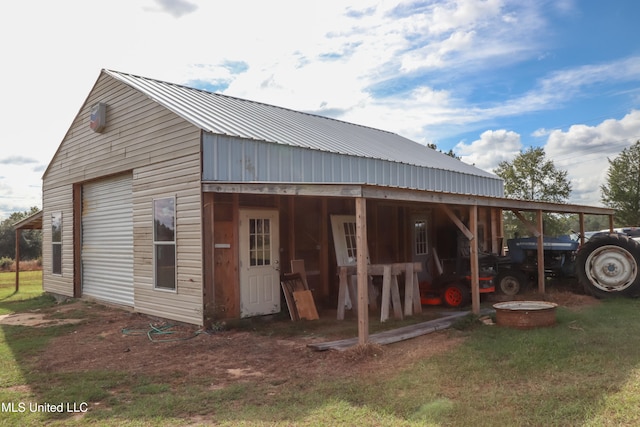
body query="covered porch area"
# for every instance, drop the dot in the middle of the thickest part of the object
(385, 221)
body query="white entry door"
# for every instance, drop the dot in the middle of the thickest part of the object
(259, 262)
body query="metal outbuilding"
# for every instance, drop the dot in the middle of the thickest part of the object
(219, 194)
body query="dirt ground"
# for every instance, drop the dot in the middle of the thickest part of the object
(112, 339)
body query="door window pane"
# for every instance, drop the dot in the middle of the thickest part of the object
(259, 241)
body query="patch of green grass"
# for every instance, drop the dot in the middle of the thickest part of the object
(585, 371)
(27, 278)
(29, 296)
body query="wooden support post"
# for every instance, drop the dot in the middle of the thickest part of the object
(208, 295)
(324, 249)
(496, 231)
(540, 236)
(473, 257)
(77, 240)
(291, 212)
(362, 273)
(582, 230)
(18, 235)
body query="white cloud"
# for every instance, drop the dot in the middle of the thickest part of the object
(493, 147)
(17, 160)
(403, 66)
(583, 151)
(20, 188)
(176, 8)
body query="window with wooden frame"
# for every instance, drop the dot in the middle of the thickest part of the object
(164, 243)
(421, 245)
(56, 242)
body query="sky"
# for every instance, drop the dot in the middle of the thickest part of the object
(484, 78)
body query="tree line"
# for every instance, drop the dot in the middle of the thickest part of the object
(30, 240)
(531, 176)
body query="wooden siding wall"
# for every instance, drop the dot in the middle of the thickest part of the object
(163, 152)
(223, 297)
(305, 234)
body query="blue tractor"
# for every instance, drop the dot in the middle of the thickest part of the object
(606, 265)
(520, 267)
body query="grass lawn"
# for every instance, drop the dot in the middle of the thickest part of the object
(585, 371)
(29, 295)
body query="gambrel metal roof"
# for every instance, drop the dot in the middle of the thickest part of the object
(239, 118)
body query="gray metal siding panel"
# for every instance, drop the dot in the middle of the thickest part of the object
(233, 159)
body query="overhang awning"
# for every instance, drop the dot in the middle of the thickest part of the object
(32, 222)
(369, 191)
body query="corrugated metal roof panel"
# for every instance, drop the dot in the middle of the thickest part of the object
(231, 116)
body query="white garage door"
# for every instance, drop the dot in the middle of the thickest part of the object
(107, 240)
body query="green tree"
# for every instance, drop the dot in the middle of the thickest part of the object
(622, 190)
(531, 176)
(30, 240)
(449, 153)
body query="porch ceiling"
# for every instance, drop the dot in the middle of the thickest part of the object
(399, 194)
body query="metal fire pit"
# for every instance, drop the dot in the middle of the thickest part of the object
(525, 314)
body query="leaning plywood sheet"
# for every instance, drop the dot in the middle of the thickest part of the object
(291, 283)
(305, 306)
(291, 305)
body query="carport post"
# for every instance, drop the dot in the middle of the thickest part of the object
(361, 268)
(473, 257)
(541, 278)
(18, 235)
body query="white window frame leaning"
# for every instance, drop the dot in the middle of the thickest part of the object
(158, 243)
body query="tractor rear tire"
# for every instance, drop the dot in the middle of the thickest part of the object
(608, 266)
